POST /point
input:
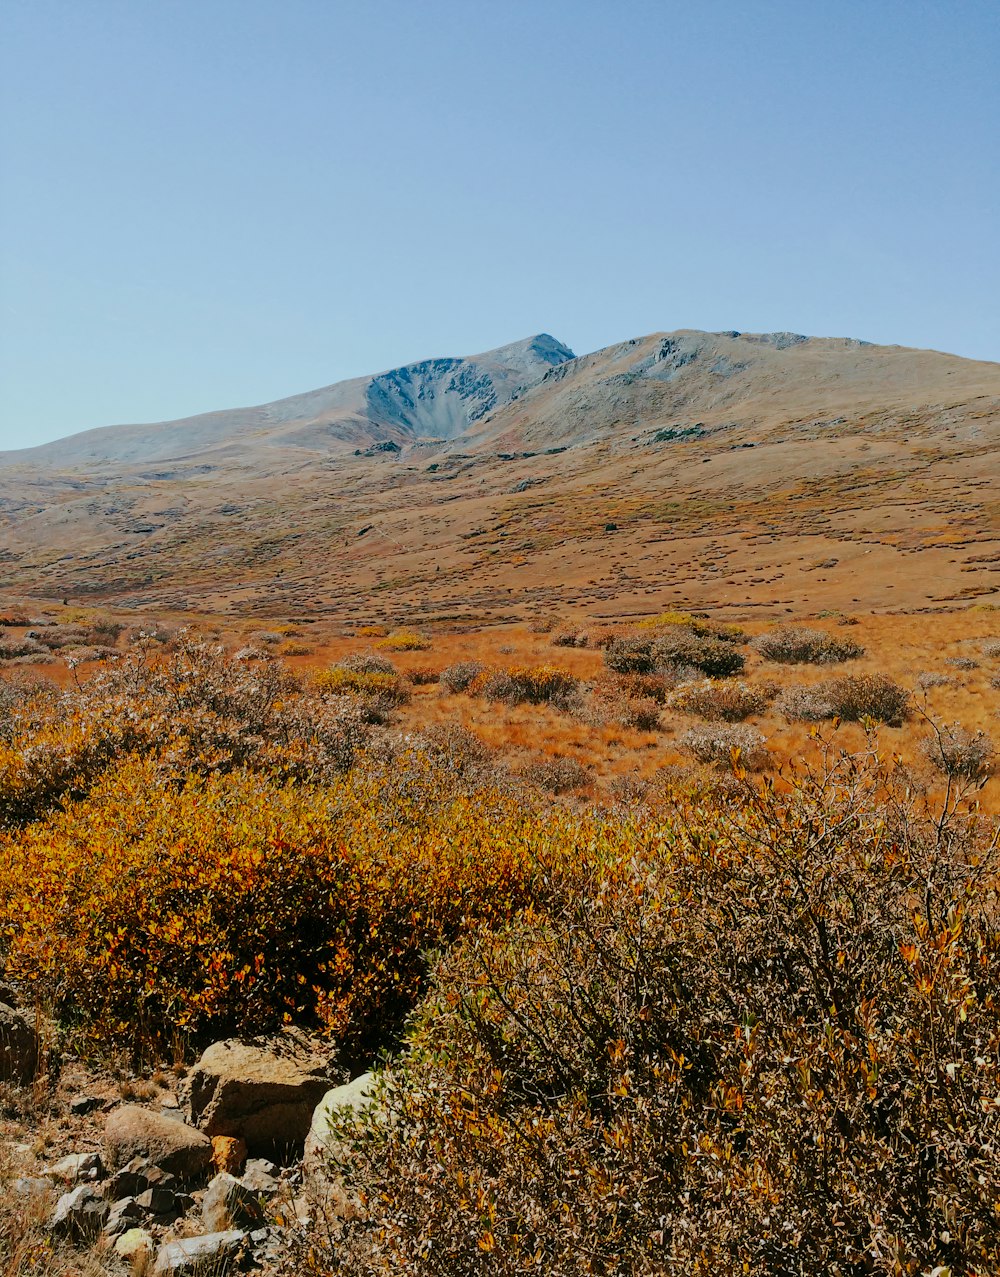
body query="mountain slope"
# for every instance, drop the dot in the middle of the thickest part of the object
(679, 469)
(436, 397)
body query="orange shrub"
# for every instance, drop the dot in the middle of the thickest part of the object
(233, 903)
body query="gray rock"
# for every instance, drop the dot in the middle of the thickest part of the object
(131, 1180)
(18, 1047)
(261, 1165)
(229, 1204)
(196, 1254)
(264, 1091)
(180, 1150)
(76, 1168)
(122, 1216)
(160, 1202)
(80, 1214)
(259, 1181)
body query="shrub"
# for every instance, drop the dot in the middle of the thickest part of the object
(991, 649)
(196, 713)
(557, 775)
(716, 745)
(629, 655)
(390, 689)
(458, 678)
(404, 641)
(366, 663)
(959, 753)
(962, 663)
(57, 636)
(797, 645)
(806, 704)
(679, 647)
(422, 675)
(853, 698)
(874, 696)
(697, 625)
(722, 702)
(456, 746)
(534, 685)
(718, 658)
(236, 904)
(294, 647)
(11, 647)
(640, 714)
(931, 678)
(372, 631)
(742, 1050)
(569, 638)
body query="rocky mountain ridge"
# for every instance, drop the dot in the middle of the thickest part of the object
(675, 469)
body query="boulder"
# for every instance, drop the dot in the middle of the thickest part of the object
(322, 1145)
(197, 1254)
(174, 1147)
(229, 1204)
(80, 1214)
(354, 1098)
(263, 1091)
(18, 1047)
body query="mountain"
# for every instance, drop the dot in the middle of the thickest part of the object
(440, 398)
(730, 471)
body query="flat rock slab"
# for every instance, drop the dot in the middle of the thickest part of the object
(262, 1091)
(197, 1254)
(131, 1131)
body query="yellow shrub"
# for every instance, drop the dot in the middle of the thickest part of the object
(404, 641)
(235, 903)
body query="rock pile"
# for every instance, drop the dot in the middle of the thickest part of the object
(179, 1190)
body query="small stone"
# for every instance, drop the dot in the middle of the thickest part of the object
(76, 1168)
(227, 1203)
(134, 1242)
(196, 1254)
(157, 1201)
(262, 1165)
(259, 1182)
(229, 1153)
(81, 1105)
(80, 1214)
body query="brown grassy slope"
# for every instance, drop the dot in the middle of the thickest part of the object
(871, 485)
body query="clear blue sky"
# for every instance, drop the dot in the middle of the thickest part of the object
(208, 203)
